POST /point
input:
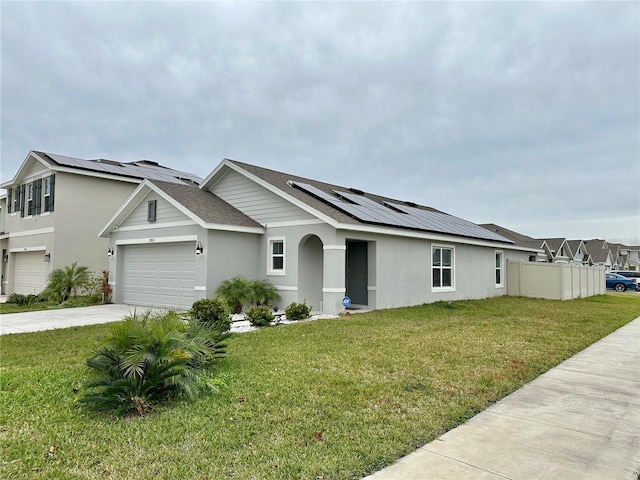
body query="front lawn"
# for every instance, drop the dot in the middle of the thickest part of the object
(329, 399)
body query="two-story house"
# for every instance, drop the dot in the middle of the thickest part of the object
(54, 208)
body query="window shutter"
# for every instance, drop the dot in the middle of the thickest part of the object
(37, 193)
(52, 194)
(9, 199)
(22, 198)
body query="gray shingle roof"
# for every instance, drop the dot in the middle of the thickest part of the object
(205, 205)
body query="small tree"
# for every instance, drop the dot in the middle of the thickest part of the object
(263, 292)
(236, 292)
(67, 280)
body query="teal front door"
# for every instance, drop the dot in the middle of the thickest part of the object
(357, 272)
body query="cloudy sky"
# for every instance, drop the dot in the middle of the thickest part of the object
(524, 114)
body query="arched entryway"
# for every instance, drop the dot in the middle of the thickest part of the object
(310, 275)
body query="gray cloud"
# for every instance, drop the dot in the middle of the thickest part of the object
(524, 114)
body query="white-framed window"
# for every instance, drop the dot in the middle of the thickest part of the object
(499, 269)
(442, 268)
(276, 256)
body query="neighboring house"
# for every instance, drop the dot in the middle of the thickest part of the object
(314, 241)
(54, 208)
(559, 249)
(539, 246)
(633, 257)
(620, 256)
(599, 253)
(579, 252)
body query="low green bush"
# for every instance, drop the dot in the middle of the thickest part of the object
(297, 311)
(259, 316)
(23, 300)
(212, 312)
(149, 359)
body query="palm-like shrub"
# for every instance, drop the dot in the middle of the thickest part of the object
(147, 359)
(236, 292)
(263, 292)
(67, 280)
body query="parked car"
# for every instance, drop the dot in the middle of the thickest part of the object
(630, 274)
(619, 283)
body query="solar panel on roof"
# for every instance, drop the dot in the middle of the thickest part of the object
(126, 169)
(368, 210)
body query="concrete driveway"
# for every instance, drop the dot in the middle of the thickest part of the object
(65, 317)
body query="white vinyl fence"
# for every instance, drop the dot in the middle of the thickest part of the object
(556, 281)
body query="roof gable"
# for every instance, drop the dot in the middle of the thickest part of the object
(202, 207)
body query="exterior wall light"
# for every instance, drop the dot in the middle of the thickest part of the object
(110, 252)
(5, 258)
(47, 257)
(199, 248)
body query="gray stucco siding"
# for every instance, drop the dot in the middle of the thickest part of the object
(256, 201)
(78, 220)
(231, 254)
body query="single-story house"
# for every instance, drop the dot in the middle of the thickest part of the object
(316, 242)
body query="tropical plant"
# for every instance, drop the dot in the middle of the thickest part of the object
(22, 300)
(67, 280)
(150, 358)
(236, 292)
(297, 311)
(212, 312)
(105, 287)
(259, 316)
(263, 292)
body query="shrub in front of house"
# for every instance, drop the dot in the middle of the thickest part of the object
(259, 316)
(263, 292)
(23, 300)
(149, 359)
(297, 311)
(236, 292)
(63, 282)
(212, 312)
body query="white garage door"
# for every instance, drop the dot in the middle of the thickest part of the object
(159, 275)
(30, 272)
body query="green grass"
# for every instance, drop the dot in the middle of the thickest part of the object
(330, 399)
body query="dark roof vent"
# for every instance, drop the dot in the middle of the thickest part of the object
(109, 162)
(411, 204)
(356, 191)
(147, 162)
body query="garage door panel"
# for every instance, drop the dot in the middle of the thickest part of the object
(30, 272)
(159, 275)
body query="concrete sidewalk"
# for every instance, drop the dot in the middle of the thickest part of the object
(74, 317)
(65, 317)
(580, 420)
